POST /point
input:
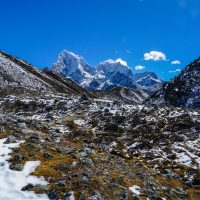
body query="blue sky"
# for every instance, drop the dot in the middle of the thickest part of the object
(166, 30)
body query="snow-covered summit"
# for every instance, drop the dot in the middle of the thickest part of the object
(71, 65)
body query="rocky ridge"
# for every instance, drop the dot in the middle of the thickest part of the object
(18, 76)
(183, 90)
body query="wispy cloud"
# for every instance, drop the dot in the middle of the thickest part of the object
(175, 71)
(155, 56)
(128, 51)
(176, 62)
(139, 67)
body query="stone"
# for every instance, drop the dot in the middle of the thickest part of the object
(179, 191)
(169, 173)
(84, 98)
(16, 167)
(21, 125)
(95, 196)
(27, 187)
(87, 161)
(2, 129)
(68, 196)
(47, 155)
(34, 138)
(53, 195)
(19, 157)
(123, 196)
(11, 139)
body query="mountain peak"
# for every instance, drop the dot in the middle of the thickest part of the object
(113, 66)
(71, 65)
(69, 53)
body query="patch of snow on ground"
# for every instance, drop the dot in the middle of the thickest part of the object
(185, 157)
(135, 190)
(79, 122)
(11, 182)
(71, 197)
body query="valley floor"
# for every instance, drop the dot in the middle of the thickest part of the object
(67, 148)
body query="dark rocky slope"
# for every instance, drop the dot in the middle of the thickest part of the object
(183, 90)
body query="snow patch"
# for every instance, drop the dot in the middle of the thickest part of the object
(11, 182)
(135, 190)
(79, 122)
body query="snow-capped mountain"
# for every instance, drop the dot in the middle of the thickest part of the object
(114, 73)
(111, 67)
(119, 79)
(105, 76)
(70, 65)
(183, 90)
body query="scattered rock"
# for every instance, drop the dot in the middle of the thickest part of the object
(11, 139)
(47, 155)
(87, 161)
(53, 195)
(16, 167)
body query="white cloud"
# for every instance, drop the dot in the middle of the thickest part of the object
(122, 62)
(128, 51)
(139, 67)
(175, 71)
(176, 62)
(155, 56)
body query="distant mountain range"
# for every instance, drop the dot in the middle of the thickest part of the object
(114, 80)
(106, 75)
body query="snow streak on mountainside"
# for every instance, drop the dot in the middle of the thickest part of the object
(148, 82)
(124, 94)
(105, 76)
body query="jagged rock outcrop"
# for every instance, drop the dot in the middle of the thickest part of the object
(183, 90)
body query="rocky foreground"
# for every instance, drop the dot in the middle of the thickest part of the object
(97, 149)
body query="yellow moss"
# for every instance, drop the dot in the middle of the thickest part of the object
(4, 135)
(47, 167)
(130, 182)
(193, 194)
